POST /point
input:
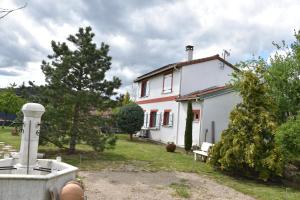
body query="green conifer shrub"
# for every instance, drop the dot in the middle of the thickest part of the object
(188, 128)
(247, 146)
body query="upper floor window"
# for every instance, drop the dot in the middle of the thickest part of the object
(167, 82)
(144, 88)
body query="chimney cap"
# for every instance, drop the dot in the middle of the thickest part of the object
(189, 47)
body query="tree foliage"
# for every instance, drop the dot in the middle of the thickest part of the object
(288, 138)
(126, 100)
(10, 103)
(130, 118)
(76, 85)
(283, 78)
(248, 144)
(188, 135)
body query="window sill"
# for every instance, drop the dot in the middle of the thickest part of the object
(169, 92)
(196, 121)
(167, 126)
(143, 97)
(153, 128)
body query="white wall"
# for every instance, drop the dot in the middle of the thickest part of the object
(217, 109)
(164, 133)
(156, 87)
(204, 75)
(182, 122)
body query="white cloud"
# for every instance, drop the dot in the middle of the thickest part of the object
(144, 35)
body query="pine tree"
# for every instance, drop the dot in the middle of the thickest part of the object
(188, 128)
(126, 100)
(248, 145)
(76, 85)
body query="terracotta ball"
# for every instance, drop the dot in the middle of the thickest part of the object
(72, 191)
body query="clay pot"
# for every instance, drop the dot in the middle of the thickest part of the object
(170, 147)
(72, 191)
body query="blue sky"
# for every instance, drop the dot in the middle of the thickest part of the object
(143, 35)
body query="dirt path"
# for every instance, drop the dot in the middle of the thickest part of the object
(121, 185)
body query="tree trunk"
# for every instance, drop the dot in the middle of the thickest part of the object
(130, 135)
(74, 130)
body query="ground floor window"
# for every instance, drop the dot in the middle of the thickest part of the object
(166, 118)
(196, 115)
(153, 116)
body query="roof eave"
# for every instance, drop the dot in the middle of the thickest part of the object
(181, 64)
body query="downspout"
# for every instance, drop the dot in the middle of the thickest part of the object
(201, 121)
(178, 109)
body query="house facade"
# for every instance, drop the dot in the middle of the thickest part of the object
(163, 94)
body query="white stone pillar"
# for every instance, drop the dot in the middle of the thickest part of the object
(30, 139)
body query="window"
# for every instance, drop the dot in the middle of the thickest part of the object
(153, 118)
(144, 88)
(166, 118)
(167, 82)
(196, 115)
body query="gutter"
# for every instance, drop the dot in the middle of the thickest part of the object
(178, 109)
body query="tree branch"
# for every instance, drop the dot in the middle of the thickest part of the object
(4, 12)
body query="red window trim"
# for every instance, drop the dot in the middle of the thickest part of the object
(143, 90)
(152, 123)
(167, 73)
(199, 115)
(165, 118)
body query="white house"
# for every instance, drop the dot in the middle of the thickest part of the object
(163, 94)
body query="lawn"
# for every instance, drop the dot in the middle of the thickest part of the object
(153, 157)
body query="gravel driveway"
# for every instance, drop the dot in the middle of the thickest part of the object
(119, 185)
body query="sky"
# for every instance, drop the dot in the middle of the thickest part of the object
(143, 35)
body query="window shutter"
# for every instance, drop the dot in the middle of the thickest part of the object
(158, 120)
(146, 122)
(139, 89)
(170, 124)
(167, 83)
(148, 89)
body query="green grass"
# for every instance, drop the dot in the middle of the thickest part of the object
(152, 157)
(181, 189)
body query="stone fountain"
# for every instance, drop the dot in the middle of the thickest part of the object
(24, 176)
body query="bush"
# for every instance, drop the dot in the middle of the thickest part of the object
(288, 138)
(248, 145)
(130, 118)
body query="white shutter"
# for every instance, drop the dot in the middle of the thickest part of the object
(148, 89)
(170, 124)
(146, 120)
(158, 120)
(139, 90)
(167, 83)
